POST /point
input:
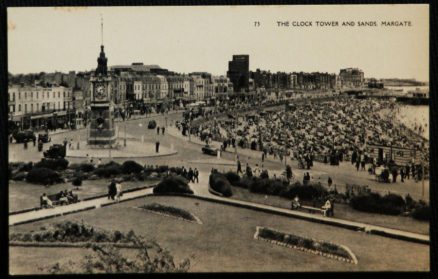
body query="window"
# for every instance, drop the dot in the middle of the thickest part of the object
(25, 108)
(13, 99)
(38, 107)
(59, 104)
(53, 94)
(63, 94)
(31, 108)
(19, 108)
(59, 94)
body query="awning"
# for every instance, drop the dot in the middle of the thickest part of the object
(41, 116)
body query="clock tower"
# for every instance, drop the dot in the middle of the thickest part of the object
(101, 132)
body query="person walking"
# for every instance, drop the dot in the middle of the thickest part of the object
(157, 147)
(239, 167)
(196, 175)
(158, 130)
(329, 182)
(190, 175)
(112, 190)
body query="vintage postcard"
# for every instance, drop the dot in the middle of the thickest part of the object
(218, 139)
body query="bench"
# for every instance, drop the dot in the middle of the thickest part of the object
(311, 209)
(55, 198)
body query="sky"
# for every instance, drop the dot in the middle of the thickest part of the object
(204, 38)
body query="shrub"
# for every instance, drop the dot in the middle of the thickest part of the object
(173, 184)
(219, 183)
(53, 164)
(308, 192)
(84, 167)
(131, 167)
(233, 178)
(77, 182)
(43, 176)
(26, 166)
(422, 213)
(162, 169)
(108, 170)
(19, 176)
(374, 203)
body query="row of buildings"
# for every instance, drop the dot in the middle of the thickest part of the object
(60, 99)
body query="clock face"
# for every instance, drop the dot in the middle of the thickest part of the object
(100, 92)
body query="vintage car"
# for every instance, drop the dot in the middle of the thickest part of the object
(152, 124)
(23, 136)
(207, 149)
(55, 151)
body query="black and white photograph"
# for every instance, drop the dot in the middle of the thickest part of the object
(245, 138)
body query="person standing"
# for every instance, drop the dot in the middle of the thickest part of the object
(162, 130)
(329, 181)
(25, 144)
(158, 130)
(34, 142)
(118, 191)
(157, 146)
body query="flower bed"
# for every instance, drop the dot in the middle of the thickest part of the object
(322, 248)
(71, 232)
(172, 212)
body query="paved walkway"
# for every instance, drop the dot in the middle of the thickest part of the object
(71, 208)
(201, 191)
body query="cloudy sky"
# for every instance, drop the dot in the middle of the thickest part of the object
(186, 39)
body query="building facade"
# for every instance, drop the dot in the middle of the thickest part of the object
(351, 78)
(39, 106)
(238, 72)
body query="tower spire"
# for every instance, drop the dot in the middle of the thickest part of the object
(101, 29)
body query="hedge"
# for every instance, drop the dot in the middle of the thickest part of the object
(131, 167)
(173, 184)
(390, 204)
(53, 164)
(279, 187)
(43, 176)
(84, 167)
(219, 183)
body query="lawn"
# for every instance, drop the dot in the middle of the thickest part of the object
(342, 211)
(24, 195)
(221, 245)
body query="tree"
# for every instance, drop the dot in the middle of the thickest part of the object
(150, 258)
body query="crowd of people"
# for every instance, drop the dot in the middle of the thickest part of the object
(330, 131)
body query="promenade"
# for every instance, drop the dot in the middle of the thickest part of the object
(201, 191)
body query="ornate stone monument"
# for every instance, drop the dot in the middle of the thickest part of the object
(101, 131)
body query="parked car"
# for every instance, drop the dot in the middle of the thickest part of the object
(22, 136)
(55, 151)
(152, 124)
(207, 149)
